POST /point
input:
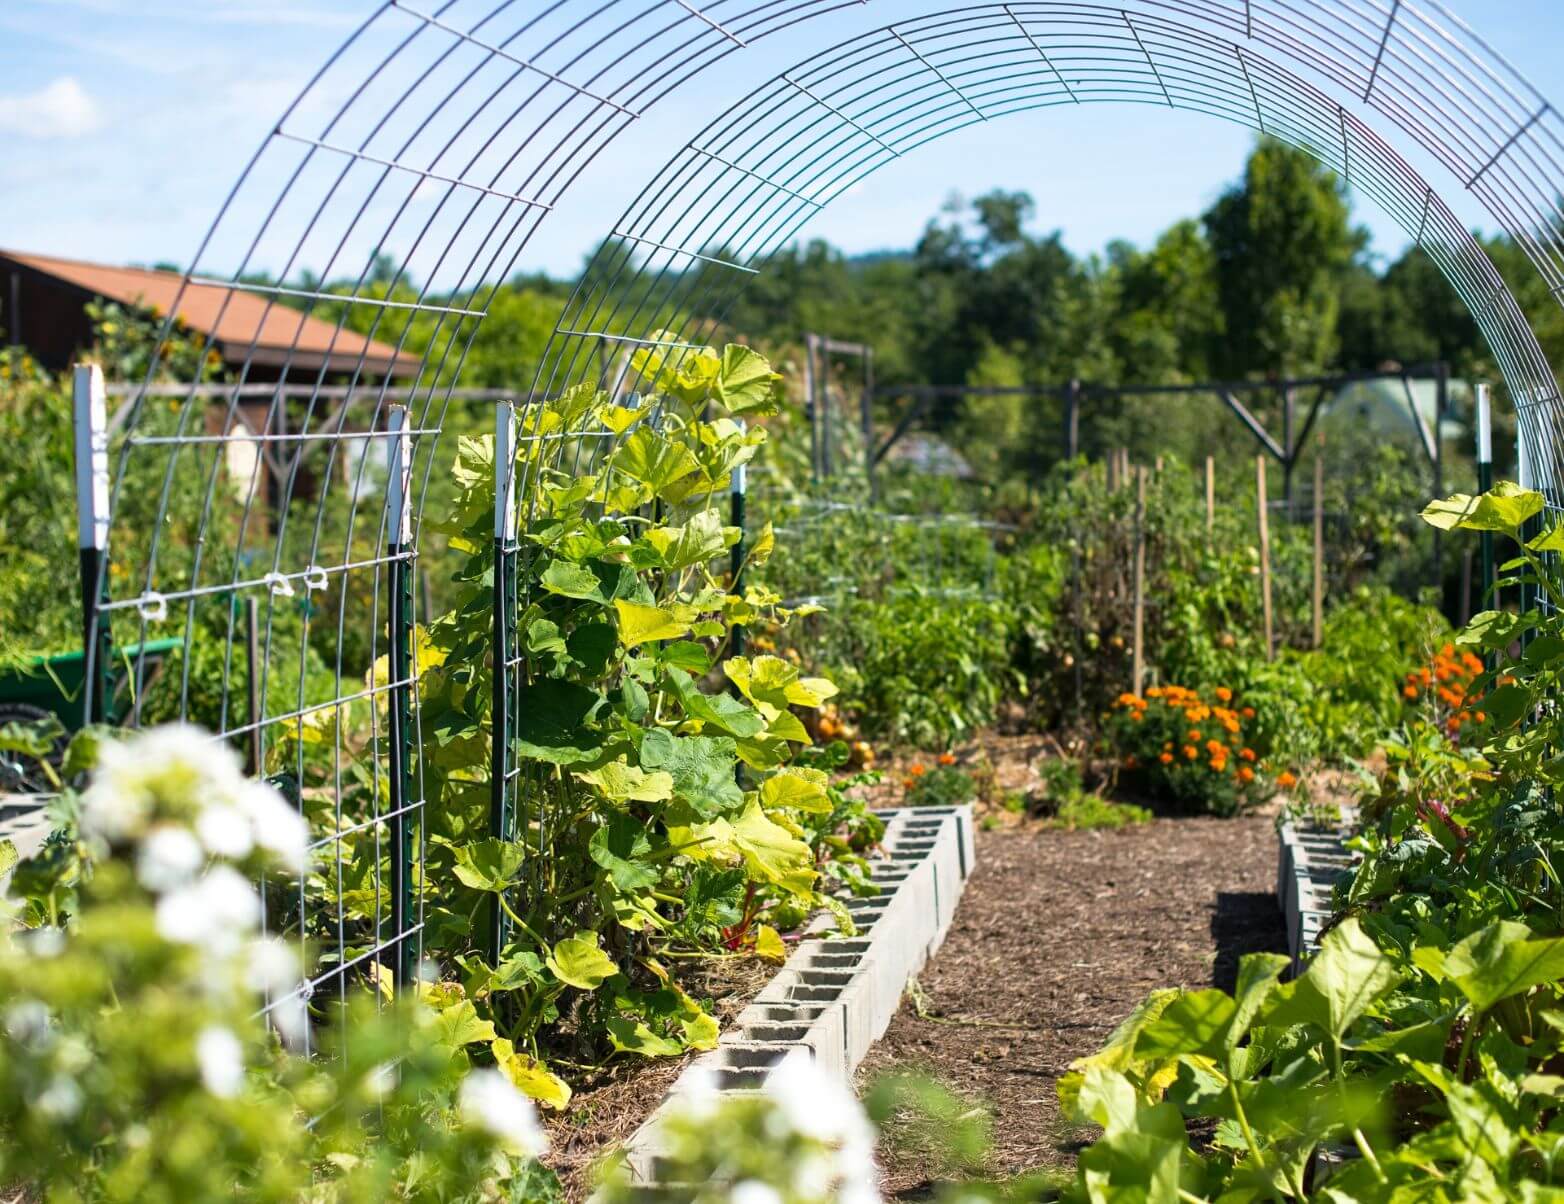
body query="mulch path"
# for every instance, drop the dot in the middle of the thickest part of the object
(1058, 936)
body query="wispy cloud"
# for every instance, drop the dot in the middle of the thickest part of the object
(61, 109)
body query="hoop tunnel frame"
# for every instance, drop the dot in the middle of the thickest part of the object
(492, 114)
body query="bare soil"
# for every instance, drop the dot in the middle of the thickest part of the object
(1059, 935)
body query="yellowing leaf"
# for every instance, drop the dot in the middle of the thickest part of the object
(800, 789)
(768, 944)
(625, 783)
(529, 1076)
(771, 852)
(639, 624)
(618, 419)
(578, 961)
(763, 545)
(745, 382)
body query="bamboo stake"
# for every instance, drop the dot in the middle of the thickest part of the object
(1319, 544)
(1262, 508)
(1210, 496)
(1138, 662)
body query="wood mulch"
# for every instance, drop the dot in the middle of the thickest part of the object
(1058, 936)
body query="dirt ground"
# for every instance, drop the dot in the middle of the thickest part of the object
(1059, 935)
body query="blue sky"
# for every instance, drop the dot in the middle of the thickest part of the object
(123, 124)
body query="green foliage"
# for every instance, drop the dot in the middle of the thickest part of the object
(1093, 813)
(1422, 1038)
(134, 1062)
(942, 786)
(667, 804)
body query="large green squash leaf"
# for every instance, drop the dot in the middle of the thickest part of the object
(701, 767)
(488, 865)
(551, 722)
(1503, 508)
(745, 381)
(620, 846)
(578, 961)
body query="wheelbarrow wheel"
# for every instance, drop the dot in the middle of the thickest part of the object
(23, 773)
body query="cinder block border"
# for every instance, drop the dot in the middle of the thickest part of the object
(1311, 857)
(834, 997)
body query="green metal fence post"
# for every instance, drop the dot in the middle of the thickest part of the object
(504, 694)
(737, 487)
(399, 518)
(92, 534)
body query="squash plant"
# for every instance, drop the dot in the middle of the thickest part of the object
(661, 808)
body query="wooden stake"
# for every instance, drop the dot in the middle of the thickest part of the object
(1319, 544)
(1262, 508)
(1138, 662)
(1210, 496)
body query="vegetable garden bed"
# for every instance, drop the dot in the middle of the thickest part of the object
(1060, 934)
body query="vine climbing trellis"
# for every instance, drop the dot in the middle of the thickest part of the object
(446, 138)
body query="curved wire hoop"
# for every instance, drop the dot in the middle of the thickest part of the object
(428, 152)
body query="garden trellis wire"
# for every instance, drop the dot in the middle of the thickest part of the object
(491, 110)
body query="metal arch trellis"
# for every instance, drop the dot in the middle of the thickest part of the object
(446, 137)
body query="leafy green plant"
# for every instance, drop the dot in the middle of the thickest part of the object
(135, 1063)
(668, 805)
(1416, 1057)
(943, 786)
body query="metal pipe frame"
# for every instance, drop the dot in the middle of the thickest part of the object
(488, 112)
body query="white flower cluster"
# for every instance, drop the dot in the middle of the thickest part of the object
(181, 799)
(804, 1102)
(815, 1105)
(491, 1102)
(183, 796)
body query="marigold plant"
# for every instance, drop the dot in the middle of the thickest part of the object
(1448, 685)
(1191, 749)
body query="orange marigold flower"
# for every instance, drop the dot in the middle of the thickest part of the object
(1218, 764)
(909, 783)
(1247, 712)
(1231, 727)
(1286, 778)
(1245, 774)
(946, 758)
(1215, 746)
(1409, 691)
(1195, 733)
(1224, 693)
(1154, 692)
(917, 769)
(1166, 758)
(1137, 716)
(1246, 753)
(1481, 716)
(1191, 752)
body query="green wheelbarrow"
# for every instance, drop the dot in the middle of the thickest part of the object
(41, 706)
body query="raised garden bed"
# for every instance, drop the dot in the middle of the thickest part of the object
(833, 998)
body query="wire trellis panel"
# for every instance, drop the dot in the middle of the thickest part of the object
(439, 140)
